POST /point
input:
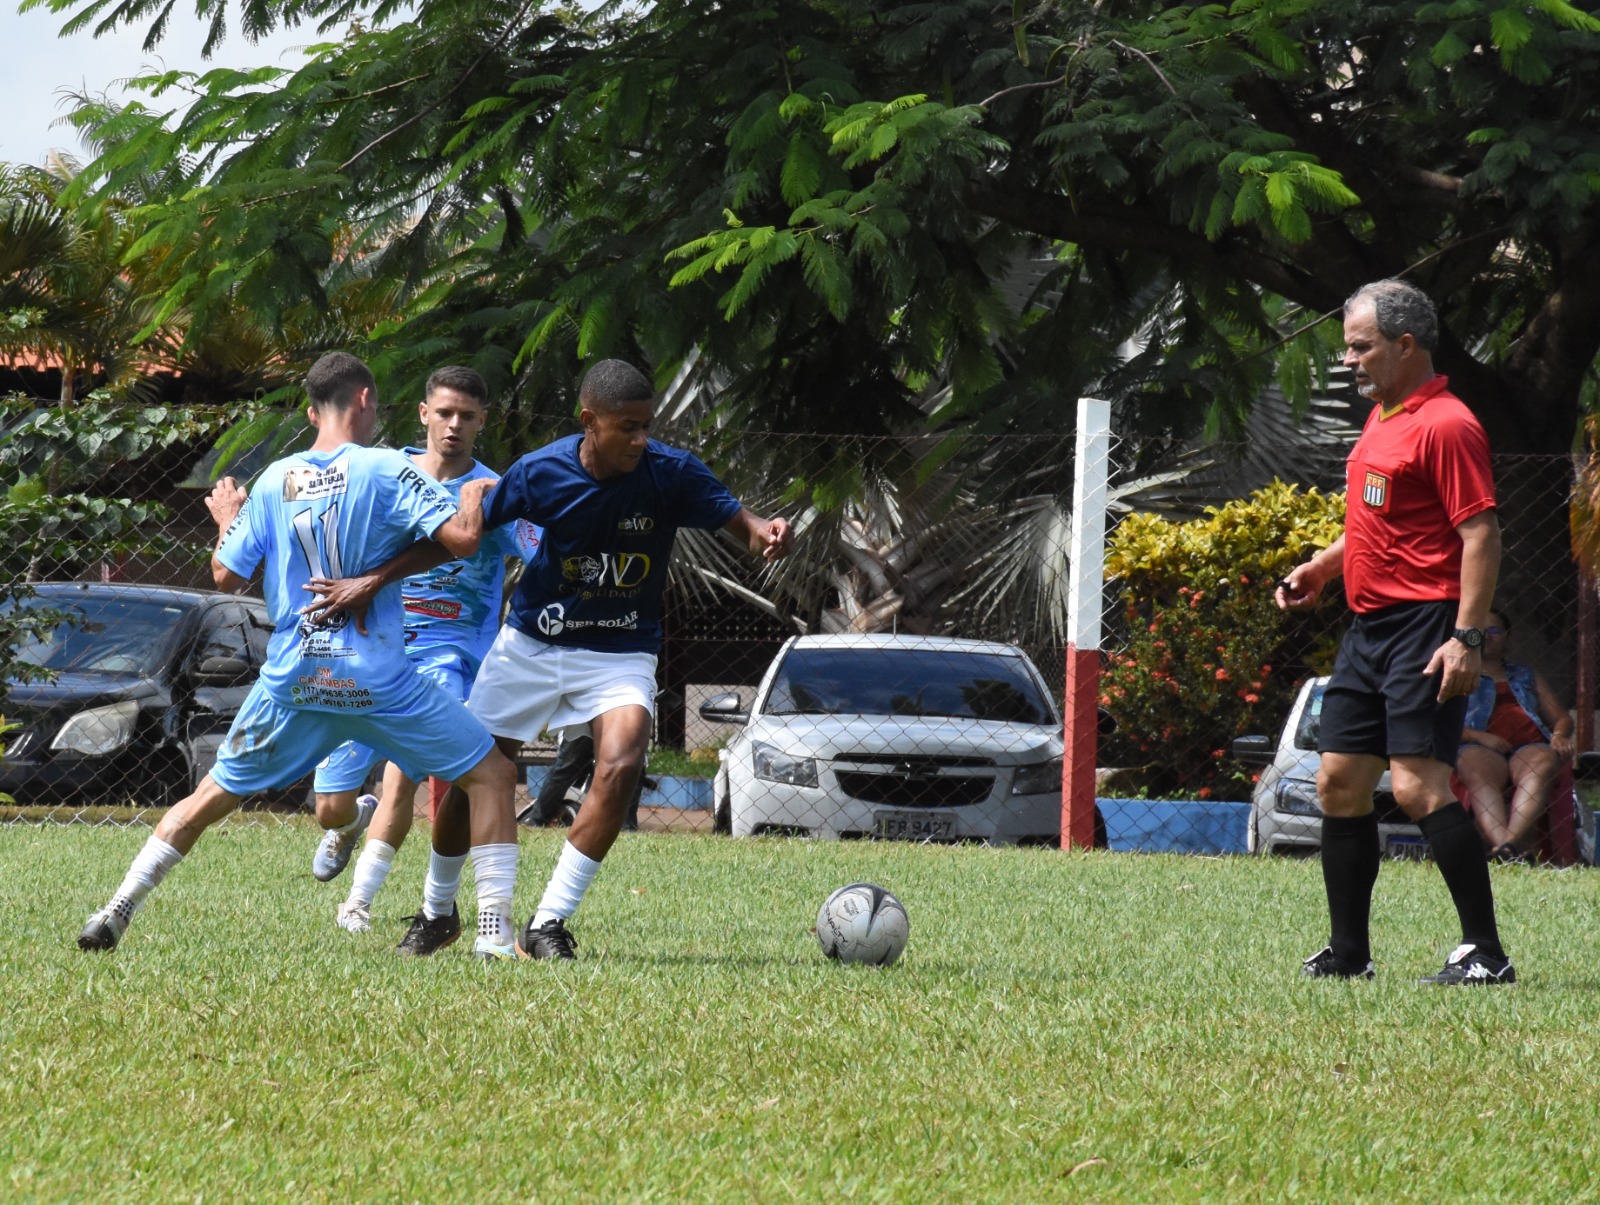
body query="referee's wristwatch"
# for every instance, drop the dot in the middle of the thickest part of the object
(1471, 637)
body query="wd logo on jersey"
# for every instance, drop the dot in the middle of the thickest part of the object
(436, 608)
(553, 619)
(622, 570)
(637, 523)
(304, 482)
(1375, 491)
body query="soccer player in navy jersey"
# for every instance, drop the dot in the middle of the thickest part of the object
(579, 646)
(452, 614)
(338, 507)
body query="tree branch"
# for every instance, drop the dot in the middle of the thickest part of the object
(461, 79)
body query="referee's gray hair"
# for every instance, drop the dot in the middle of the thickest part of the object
(613, 383)
(1400, 309)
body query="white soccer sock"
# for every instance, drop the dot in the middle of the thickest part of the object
(494, 868)
(150, 866)
(571, 878)
(372, 868)
(440, 887)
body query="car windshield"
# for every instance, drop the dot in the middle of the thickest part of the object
(907, 682)
(111, 635)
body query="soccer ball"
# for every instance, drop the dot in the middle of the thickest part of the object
(862, 923)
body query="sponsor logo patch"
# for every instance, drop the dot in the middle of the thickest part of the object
(436, 608)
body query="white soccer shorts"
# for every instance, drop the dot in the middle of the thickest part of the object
(527, 685)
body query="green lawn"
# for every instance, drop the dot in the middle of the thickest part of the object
(1105, 1027)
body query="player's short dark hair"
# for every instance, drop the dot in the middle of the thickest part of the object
(459, 378)
(613, 383)
(1400, 309)
(1505, 619)
(334, 380)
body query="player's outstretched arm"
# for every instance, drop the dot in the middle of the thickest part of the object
(770, 539)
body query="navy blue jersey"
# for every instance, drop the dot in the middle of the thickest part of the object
(597, 578)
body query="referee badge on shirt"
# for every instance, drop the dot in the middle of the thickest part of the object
(1375, 491)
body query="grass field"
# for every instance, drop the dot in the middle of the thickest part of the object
(1102, 1027)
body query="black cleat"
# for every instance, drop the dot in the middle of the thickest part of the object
(549, 940)
(1469, 966)
(1325, 964)
(102, 931)
(430, 936)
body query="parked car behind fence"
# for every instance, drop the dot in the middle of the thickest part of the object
(146, 681)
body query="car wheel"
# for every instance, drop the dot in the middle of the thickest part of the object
(722, 816)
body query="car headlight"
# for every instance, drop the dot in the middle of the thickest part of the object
(1298, 797)
(774, 765)
(99, 730)
(1039, 778)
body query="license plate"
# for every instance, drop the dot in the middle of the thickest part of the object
(1414, 849)
(915, 826)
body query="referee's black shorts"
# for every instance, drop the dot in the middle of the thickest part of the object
(1379, 701)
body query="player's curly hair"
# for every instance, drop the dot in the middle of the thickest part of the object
(461, 379)
(334, 380)
(1400, 309)
(614, 383)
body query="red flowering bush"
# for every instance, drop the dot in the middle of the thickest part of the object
(1202, 655)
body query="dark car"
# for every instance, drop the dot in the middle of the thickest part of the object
(146, 682)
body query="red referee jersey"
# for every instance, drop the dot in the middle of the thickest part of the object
(1413, 477)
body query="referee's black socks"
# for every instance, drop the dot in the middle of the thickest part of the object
(1458, 851)
(1349, 869)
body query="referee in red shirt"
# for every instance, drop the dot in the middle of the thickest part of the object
(1419, 554)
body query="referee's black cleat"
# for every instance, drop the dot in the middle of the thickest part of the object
(549, 940)
(1469, 966)
(430, 936)
(1325, 964)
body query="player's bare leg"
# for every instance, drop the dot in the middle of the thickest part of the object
(621, 741)
(174, 837)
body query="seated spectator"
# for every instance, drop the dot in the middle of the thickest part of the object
(1518, 735)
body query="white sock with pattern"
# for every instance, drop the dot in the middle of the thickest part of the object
(494, 869)
(150, 866)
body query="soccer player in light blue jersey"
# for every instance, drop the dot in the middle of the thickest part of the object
(334, 509)
(579, 647)
(452, 613)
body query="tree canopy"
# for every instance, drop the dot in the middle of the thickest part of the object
(858, 216)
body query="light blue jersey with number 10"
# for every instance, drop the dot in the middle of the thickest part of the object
(334, 514)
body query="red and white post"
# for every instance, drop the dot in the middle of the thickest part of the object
(1086, 588)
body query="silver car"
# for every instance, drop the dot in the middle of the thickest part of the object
(897, 737)
(1284, 816)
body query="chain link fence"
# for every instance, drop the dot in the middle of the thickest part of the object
(899, 677)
